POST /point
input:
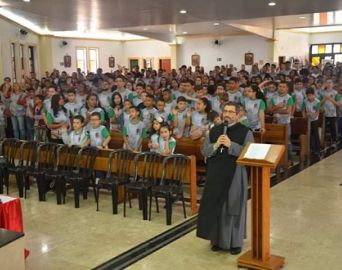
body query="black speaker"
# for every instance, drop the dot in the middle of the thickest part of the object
(216, 42)
(23, 32)
(64, 43)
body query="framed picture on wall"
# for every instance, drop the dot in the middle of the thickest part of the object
(111, 62)
(195, 60)
(249, 59)
(67, 61)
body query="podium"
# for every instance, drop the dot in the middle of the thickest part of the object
(259, 256)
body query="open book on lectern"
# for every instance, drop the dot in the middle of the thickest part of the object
(257, 151)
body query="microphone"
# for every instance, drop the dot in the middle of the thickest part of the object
(225, 127)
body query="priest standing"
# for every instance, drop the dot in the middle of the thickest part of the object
(222, 213)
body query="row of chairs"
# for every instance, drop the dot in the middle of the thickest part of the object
(60, 167)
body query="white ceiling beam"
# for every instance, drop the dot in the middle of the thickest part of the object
(260, 31)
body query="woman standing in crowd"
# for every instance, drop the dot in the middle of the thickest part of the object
(57, 118)
(18, 112)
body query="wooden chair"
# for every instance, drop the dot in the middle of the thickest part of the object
(300, 138)
(277, 134)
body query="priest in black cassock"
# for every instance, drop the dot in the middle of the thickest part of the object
(222, 213)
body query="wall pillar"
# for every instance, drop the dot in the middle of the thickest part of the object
(45, 55)
(175, 56)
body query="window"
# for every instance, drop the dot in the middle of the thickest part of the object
(93, 59)
(81, 59)
(22, 60)
(31, 58)
(14, 60)
(87, 59)
(327, 52)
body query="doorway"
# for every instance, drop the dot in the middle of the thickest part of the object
(165, 64)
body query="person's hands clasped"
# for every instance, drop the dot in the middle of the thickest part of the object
(223, 140)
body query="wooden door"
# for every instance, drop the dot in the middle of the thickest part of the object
(165, 64)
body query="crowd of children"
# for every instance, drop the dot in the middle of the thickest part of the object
(82, 109)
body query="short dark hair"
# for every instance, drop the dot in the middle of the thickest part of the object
(40, 97)
(233, 79)
(135, 108)
(140, 85)
(71, 91)
(309, 91)
(231, 103)
(80, 117)
(298, 81)
(96, 114)
(150, 96)
(181, 98)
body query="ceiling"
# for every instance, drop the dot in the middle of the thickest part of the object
(161, 19)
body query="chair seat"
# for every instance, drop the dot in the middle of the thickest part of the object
(138, 185)
(113, 180)
(166, 189)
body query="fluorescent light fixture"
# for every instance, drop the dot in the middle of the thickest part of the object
(338, 17)
(319, 29)
(272, 4)
(330, 17)
(183, 11)
(216, 24)
(302, 17)
(184, 33)
(316, 19)
(27, 1)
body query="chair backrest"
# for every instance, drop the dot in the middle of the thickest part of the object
(47, 153)
(121, 159)
(40, 134)
(146, 166)
(86, 160)
(67, 157)
(28, 154)
(174, 169)
(9, 149)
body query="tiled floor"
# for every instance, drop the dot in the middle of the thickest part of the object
(306, 227)
(63, 237)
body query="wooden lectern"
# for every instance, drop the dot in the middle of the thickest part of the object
(259, 257)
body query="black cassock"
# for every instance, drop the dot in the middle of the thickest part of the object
(220, 172)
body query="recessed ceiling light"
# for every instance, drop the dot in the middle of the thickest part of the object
(302, 17)
(216, 24)
(183, 11)
(26, 0)
(184, 33)
(145, 29)
(272, 4)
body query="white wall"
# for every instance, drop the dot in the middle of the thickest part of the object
(106, 50)
(232, 50)
(10, 34)
(146, 49)
(291, 44)
(326, 37)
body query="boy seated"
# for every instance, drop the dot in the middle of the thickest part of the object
(78, 136)
(99, 134)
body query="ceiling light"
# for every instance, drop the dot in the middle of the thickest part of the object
(272, 4)
(184, 33)
(216, 24)
(302, 17)
(183, 11)
(26, 0)
(145, 29)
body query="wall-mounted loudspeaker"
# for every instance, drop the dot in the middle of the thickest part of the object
(23, 32)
